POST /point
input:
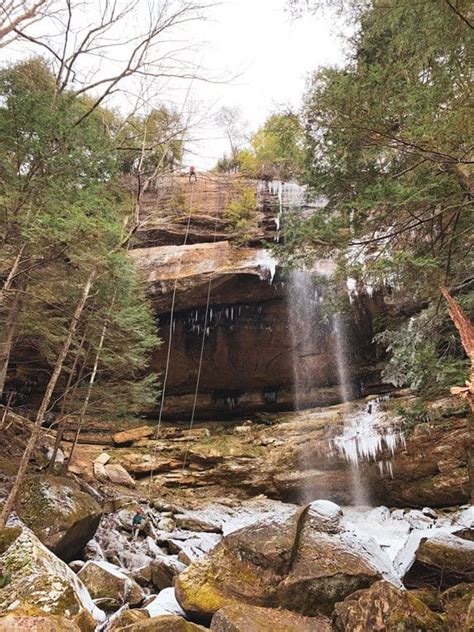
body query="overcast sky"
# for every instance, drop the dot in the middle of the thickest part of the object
(259, 53)
(272, 53)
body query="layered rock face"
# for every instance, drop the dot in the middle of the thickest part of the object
(231, 305)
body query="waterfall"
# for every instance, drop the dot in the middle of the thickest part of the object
(303, 303)
(360, 493)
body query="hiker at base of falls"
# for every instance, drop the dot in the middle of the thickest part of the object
(139, 523)
(192, 174)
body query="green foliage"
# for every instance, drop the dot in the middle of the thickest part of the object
(63, 209)
(425, 352)
(420, 412)
(387, 140)
(242, 214)
(276, 150)
(158, 133)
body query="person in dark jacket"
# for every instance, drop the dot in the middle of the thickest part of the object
(139, 523)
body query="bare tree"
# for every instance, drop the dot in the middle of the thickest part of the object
(230, 121)
(19, 14)
(127, 40)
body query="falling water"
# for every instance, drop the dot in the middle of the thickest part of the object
(303, 303)
(360, 493)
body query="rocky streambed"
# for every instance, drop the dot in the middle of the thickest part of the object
(247, 565)
(231, 543)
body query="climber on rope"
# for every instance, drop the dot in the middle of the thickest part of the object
(139, 523)
(192, 173)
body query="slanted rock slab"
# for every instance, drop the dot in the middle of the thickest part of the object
(385, 608)
(303, 561)
(442, 561)
(243, 618)
(62, 516)
(33, 576)
(127, 437)
(119, 475)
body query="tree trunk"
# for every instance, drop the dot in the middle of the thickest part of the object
(6, 342)
(466, 333)
(62, 416)
(89, 388)
(12, 274)
(10, 501)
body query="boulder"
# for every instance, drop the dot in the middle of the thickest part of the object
(128, 618)
(442, 561)
(163, 623)
(164, 570)
(457, 604)
(62, 516)
(32, 576)
(302, 561)
(194, 523)
(385, 608)
(240, 618)
(109, 586)
(127, 437)
(117, 474)
(24, 619)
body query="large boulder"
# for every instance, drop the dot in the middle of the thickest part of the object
(442, 561)
(32, 576)
(62, 516)
(385, 608)
(30, 618)
(164, 570)
(457, 604)
(163, 623)
(242, 618)
(109, 586)
(303, 561)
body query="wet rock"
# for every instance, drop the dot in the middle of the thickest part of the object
(164, 571)
(109, 586)
(33, 576)
(457, 604)
(119, 475)
(27, 618)
(240, 618)
(442, 560)
(127, 437)
(385, 608)
(60, 514)
(300, 561)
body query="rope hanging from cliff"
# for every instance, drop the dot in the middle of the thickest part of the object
(170, 337)
(203, 342)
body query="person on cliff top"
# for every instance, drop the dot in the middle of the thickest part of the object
(192, 173)
(139, 523)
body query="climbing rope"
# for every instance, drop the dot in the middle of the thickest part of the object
(170, 337)
(203, 342)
